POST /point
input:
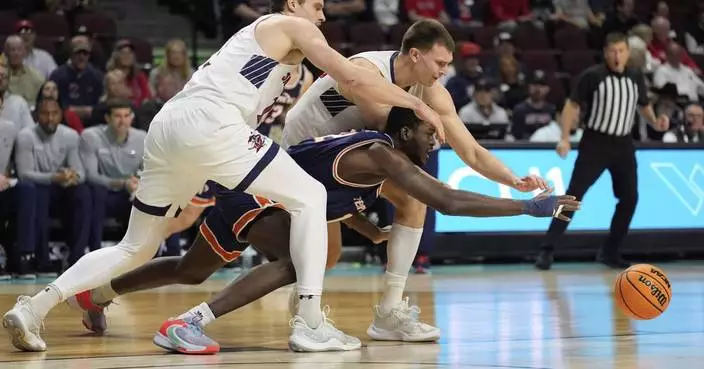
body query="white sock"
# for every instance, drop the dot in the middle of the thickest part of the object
(103, 294)
(201, 314)
(45, 300)
(99, 267)
(401, 250)
(309, 310)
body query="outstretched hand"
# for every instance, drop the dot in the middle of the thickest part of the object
(545, 205)
(530, 183)
(428, 115)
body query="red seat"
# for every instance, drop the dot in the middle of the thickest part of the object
(574, 62)
(544, 60)
(396, 33)
(7, 22)
(334, 32)
(367, 33)
(97, 24)
(50, 24)
(571, 38)
(530, 37)
(484, 36)
(143, 50)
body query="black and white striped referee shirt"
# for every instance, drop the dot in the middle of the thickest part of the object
(609, 99)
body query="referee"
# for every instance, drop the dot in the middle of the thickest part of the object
(611, 93)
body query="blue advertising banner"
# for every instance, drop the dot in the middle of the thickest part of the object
(670, 186)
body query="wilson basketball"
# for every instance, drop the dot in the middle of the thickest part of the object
(642, 292)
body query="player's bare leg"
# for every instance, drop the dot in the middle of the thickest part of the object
(394, 319)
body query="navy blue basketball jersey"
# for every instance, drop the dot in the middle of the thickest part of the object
(320, 156)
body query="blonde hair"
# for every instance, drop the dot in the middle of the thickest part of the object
(114, 73)
(183, 71)
(112, 65)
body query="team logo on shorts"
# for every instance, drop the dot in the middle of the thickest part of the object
(256, 141)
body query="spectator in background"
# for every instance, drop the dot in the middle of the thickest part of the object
(50, 90)
(14, 109)
(386, 12)
(504, 48)
(639, 38)
(535, 112)
(346, 10)
(578, 13)
(17, 201)
(544, 10)
(236, 14)
(483, 111)
(47, 155)
(694, 35)
(167, 86)
(661, 9)
(175, 63)
(678, 74)
(511, 80)
(123, 58)
(468, 72)
(80, 83)
(36, 58)
(426, 9)
(663, 37)
(112, 154)
(622, 19)
(508, 13)
(25, 81)
(115, 89)
(692, 131)
(669, 102)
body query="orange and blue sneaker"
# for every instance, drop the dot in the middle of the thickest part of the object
(185, 336)
(93, 314)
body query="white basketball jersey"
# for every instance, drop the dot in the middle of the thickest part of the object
(322, 110)
(239, 76)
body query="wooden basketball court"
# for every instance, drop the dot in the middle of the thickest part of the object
(507, 316)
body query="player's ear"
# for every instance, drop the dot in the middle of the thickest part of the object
(406, 134)
(292, 4)
(414, 54)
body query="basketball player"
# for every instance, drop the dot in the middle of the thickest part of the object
(352, 166)
(206, 132)
(331, 106)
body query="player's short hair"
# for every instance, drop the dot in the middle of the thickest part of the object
(424, 34)
(615, 38)
(277, 6)
(114, 104)
(399, 118)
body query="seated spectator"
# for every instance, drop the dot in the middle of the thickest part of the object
(80, 84)
(663, 37)
(50, 90)
(552, 133)
(468, 72)
(661, 9)
(166, 87)
(692, 131)
(16, 206)
(25, 81)
(544, 10)
(14, 109)
(123, 58)
(386, 12)
(426, 9)
(483, 111)
(622, 19)
(577, 12)
(639, 38)
(535, 112)
(115, 89)
(47, 155)
(112, 154)
(512, 87)
(504, 48)
(508, 13)
(345, 10)
(36, 58)
(175, 64)
(694, 35)
(680, 75)
(667, 102)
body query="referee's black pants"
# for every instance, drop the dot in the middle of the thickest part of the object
(599, 152)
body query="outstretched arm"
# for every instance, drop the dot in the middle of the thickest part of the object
(468, 149)
(455, 202)
(307, 37)
(366, 228)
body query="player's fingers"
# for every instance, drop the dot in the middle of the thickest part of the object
(562, 217)
(567, 197)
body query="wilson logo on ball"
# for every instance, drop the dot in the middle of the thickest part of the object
(654, 290)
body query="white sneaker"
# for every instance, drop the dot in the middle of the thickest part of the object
(24, 325)
(401, 324)
(324, 338)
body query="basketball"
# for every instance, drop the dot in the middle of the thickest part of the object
(642, 292)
